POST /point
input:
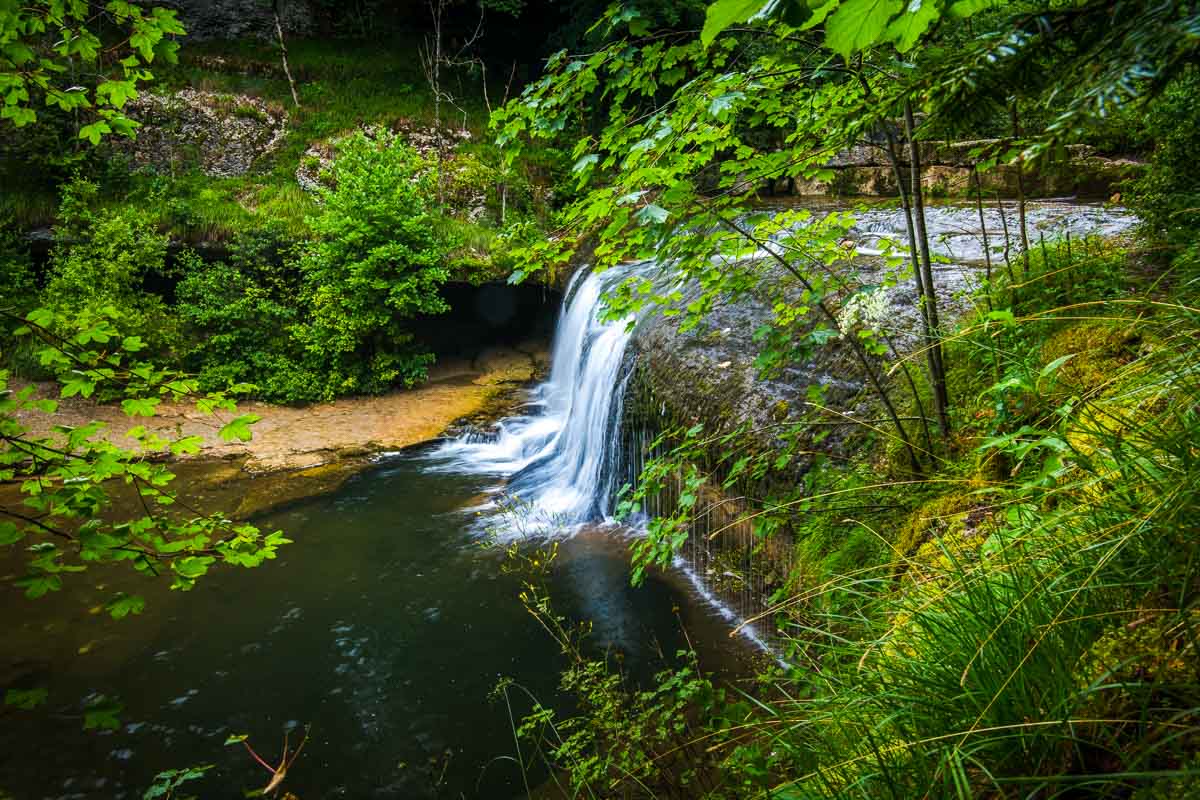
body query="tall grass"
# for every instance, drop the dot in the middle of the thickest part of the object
(1044, 644)
(1025, 623)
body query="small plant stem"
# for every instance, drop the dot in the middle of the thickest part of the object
(1016, 131)
(283, 53)
(987, 250)
(859, 353)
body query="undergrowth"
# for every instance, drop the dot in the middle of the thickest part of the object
(1020, 622)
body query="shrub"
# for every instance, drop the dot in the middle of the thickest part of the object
(105, 259)
(238, 316)
(377, 263)
(1167, 197)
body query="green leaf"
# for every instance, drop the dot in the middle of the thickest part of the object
(102, 715)
(652, 214)
(966, 8)
(78, 386)
(188, 445)
(37, 585)
(235, 738)
(193, 567)
(1053, 366)
(123, 605)
(140, 406)
(819, 14)
(724, 102)
(585, 163)
(908, 27)
(859, 24)
(10, 533)
(723, 13)
(26, 699)
(95, 131)
(239, 428)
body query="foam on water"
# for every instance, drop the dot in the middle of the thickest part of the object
(557, 457)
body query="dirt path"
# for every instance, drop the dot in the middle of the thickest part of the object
(300, 438)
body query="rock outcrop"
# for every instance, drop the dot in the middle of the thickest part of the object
(225, 135)
(238, 19)
(709, 374)
(864, 170)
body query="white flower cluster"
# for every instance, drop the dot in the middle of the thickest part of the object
(869, 309)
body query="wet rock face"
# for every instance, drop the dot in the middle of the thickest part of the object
(223, 134)
(708, 374)
(237, 19)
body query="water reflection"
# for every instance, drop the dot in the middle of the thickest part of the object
(385, 626)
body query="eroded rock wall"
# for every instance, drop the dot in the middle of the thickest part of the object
(239, 19)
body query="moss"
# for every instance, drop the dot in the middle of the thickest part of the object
(1098, 351)
(941, 517)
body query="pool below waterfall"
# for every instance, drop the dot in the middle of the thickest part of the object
(385, 627)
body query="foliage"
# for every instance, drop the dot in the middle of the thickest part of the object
(168, 782)
(377, 263)
(106, 259)
(623, 739)
(18, 282)
(949, 655)
(49, 52)
(68, 479)
(238, 315)
(1168, 195)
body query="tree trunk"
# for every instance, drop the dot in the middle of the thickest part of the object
(283, 54)
(987, 252)
(941, 400)
(1016, 131)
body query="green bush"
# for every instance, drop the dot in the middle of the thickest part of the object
(237, 318)
(1167, 197)
(377, 263)
(18, 285)
(105, 259)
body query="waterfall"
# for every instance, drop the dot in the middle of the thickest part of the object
(559, 459)
(565, 457)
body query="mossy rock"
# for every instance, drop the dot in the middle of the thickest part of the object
(1149, 661)
(951, 516)
(1099, 351)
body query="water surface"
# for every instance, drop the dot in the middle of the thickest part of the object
(386, 626)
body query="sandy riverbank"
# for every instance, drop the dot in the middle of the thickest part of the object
(295, 438)
(298, 452)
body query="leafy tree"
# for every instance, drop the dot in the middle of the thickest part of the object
(378, 261)
(18, 283)
(65, 517)
(105, 259)
(1168, 196)
(237, 316)
(51, 56)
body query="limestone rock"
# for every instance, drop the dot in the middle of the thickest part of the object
(224, 135)
(709, 374)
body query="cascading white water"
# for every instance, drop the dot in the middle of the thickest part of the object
(558, 457)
